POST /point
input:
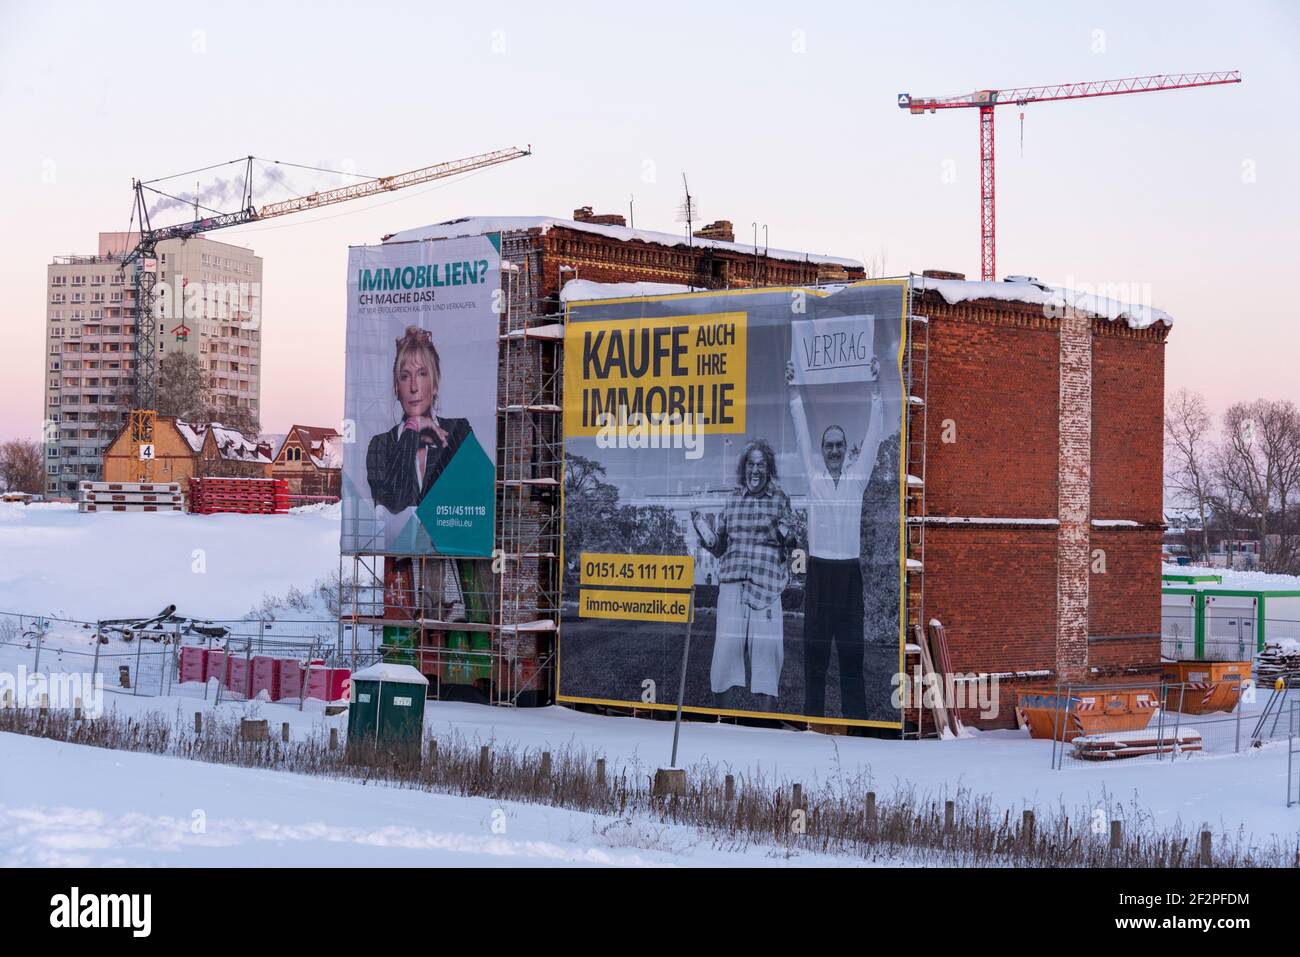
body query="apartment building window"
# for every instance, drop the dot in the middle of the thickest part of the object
(97, 280)
(58, 297)
(78, 280)
(78, 297)
(58, 280)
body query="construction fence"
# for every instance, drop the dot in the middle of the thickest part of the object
(286, 661)
(1166, 729)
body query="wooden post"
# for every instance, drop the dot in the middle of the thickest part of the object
(76, 709)
(871, 811)
(600, 772)
(284, 732)
(45, 705)
(949, 815)
(546, 764)
(1027, 827)
(796, 796)
(1207, 859)
(334, 738)
(1116, 835)
(433, 751)
(484, 762)
(198, 722)
(729, 789)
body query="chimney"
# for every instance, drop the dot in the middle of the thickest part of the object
(720, 230)
(583, 214)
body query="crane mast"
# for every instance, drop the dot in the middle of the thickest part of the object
(144, 257)
(987, 100)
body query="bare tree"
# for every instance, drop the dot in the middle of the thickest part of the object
(20, 466)
(182, 386)
(1188, 452)
(1258, 470)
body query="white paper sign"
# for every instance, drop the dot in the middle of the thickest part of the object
(826, 351)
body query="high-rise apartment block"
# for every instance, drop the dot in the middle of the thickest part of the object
(208, 304)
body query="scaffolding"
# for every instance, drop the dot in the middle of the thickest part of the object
(485, 629)
(916, 380)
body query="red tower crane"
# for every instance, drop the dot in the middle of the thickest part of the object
(986, 100)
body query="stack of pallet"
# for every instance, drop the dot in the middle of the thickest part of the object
(1279, 659)
(129, 497)
(247, 496)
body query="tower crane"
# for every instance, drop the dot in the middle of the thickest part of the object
(144, 258)
(987, 100)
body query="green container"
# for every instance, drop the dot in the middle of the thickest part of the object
(386, 713)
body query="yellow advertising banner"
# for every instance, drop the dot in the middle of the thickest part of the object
(637, 571)
(690, 369)
(634, 605)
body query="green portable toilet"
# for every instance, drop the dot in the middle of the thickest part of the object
(386, 713)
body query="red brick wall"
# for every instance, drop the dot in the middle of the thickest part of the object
(995, 378)
(995, 592)
(1124, 605)
(994, 370)
(1128, 398)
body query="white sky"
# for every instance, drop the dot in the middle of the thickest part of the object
(1147, 192)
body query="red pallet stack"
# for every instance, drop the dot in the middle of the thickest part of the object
(246, 496)
(193, 664)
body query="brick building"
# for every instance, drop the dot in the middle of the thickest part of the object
(540, 255)
(310, 459)
(1040, 518)
(183, 450)
(1044, 481)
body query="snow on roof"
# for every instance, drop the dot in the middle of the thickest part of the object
(1039, 294)
(478, 225)
(577, 290)
(231, 444)
(328, 452)
(383, 671)
(275, 440)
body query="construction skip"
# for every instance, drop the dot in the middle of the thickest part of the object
(732, 466)
(419, 470)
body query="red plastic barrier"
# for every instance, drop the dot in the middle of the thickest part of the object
(266, 676)
(214, 665)
(237, 674)
(329, 684)
(289, 674)
(193, 664)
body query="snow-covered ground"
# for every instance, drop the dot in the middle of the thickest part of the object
(61, 803)
(1238, 578)
(64, 805)
(60, 562)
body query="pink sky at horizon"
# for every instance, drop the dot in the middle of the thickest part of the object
(786, 117)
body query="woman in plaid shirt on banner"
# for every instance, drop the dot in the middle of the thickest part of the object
(750, 541)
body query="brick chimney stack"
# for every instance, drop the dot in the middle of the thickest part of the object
(583, 214)
(720, 230)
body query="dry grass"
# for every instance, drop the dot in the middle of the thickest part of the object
(832, 819)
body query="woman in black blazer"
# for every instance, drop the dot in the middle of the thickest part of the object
(403, 463)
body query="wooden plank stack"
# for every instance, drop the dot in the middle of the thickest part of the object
(1277, 660)
(245, 496)
(130, 497)
(1135, 744)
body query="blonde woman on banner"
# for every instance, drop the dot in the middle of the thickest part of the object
(750, 541)
(403, 463)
